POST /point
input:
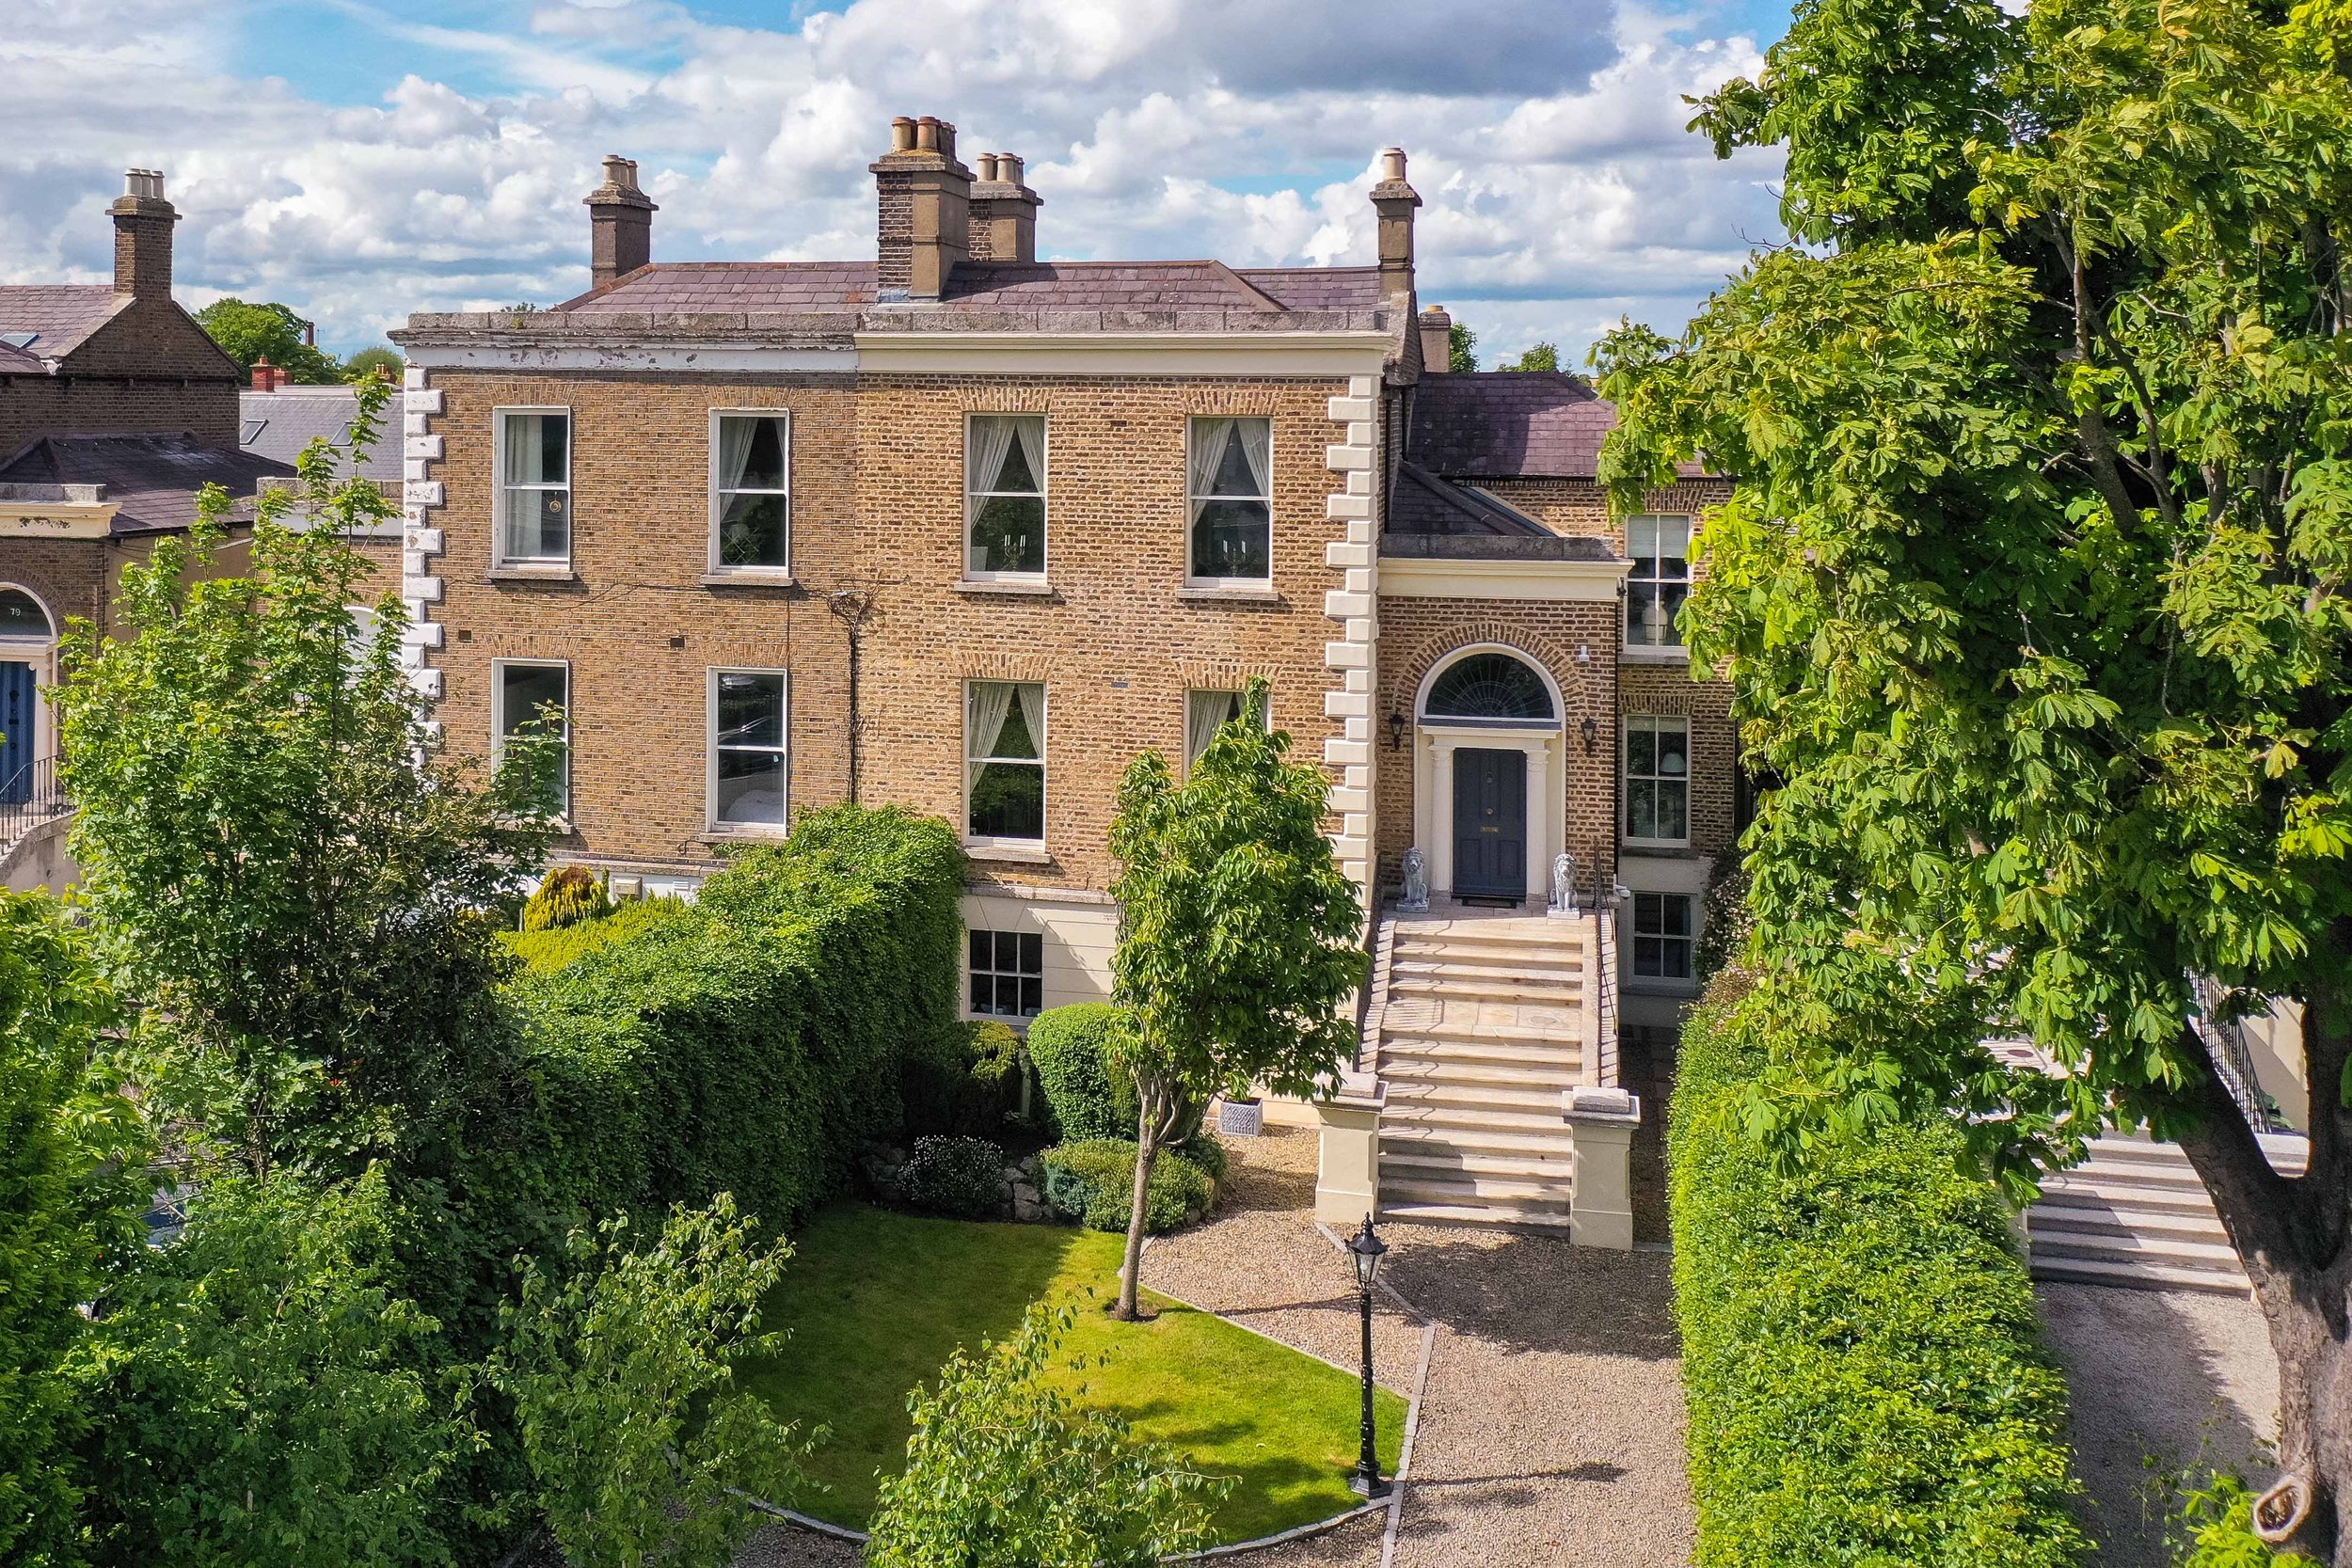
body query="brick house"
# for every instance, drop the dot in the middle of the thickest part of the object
(955, 529)
(115, 409)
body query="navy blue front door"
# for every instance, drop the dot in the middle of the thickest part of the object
(17, 716)
(1490, 824)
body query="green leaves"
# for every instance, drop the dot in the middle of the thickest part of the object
(620, 1363)
(1005, 1470)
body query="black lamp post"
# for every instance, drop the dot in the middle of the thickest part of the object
(1365, 1250)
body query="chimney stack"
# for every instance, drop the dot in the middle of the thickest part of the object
(1437, 340)
(924, 215)
(266, 376)
(1395, 200)
(143, 221)
(1003, 212)
(620, 221)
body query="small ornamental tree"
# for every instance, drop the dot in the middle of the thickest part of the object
(1237, 946)
(1006, 1470)
(281, 871)
(621, 1368)
(69, 1163)
(2035, 592)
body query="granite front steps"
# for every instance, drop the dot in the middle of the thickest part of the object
(2135, 1214)
(1479, 1026)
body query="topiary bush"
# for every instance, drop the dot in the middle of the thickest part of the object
(965, 1079)
(1091, 1097)
(568, 895)
(1861, 1358)
(1094, 1182)
(964, 1176)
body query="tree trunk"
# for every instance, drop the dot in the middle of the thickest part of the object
(1147, 1150)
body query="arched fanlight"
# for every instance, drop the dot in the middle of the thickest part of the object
(20, 617)
(1489, 685)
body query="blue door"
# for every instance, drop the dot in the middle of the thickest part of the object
(17, 716)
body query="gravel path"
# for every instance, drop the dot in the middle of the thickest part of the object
(2181, 1376)
(1551, 1427)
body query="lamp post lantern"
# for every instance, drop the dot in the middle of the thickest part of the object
(1364, 1249)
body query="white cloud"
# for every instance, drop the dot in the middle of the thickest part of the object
(1561, 189)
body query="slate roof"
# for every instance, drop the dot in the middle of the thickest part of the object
(1508, 424)
(1424, 503)
(154, 478)
(60, 315)
(278, 425)
(690, 287)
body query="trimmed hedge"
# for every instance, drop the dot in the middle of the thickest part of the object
(746, 1043)
(1094, 1182)
(1861, 1358)
(546, 951)
(1089, 1098)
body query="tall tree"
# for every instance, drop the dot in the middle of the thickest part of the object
(2034, 590)
(1539, 356)
(285, 873)
(1461, 348)
(70, 1160)
(1237, 936)
(250, 332)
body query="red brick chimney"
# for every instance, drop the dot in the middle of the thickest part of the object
(620, 223)
(143, 221)
(925, 220)
(1395, 200)
(1003, 212)
(266, 376)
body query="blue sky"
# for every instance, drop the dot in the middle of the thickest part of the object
(360, 160)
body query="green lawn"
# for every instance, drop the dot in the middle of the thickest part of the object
(874, 1302)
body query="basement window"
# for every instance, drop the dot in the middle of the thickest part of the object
(1663, 935)
(1007, 973)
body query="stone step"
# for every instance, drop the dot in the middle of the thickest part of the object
(2170, 1250)
(2079, 1190)
(1475, 1054)
(1470, 1097)
(1554, 1167)
(1458, 1213)
(1404, 1068)
(2100, 1220)
(1465, 1028)
(2138, 1276)
(1399, 1138)
(1515, 1121)
(1518, 1193)
(1512, 967)
(1468, 941)
(1519, 992)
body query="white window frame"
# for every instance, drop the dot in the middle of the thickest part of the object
(715, 567)
(1015, 1019)
(1634, 936)
(1625, 775)
(1045, 497)
(1273, 466)
(500, 560)
(711, 822)
(971, 765)
(1673, 649)
(497, 716)
(1266, 719)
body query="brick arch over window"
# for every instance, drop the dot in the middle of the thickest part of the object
(1557, 660)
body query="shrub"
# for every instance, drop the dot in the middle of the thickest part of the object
(966, 1081)
(548, 949)
(569, 894)
(2215, 1526)
(1091, 1097)
(954, 1176)
(744, 1043)
(1862, 1362)
(1094, 1182)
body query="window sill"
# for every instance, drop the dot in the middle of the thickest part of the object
(1651, 986)
(1036, 588)
(747, 832)
(1008, 854)
(1203, 593)
(752, 578)
(1678, 848)
(1649, 652)
(551, 575)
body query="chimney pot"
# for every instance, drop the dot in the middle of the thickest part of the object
(926, 133)
(1009, 169)
(1392, 164)
(988, 168)
(143, 221)
(902, 134)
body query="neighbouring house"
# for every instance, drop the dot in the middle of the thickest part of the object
(278, 419)
(115, 409)
(953, 527)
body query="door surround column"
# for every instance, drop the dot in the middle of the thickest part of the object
(1433, 797)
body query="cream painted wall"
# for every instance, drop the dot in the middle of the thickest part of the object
(1078, 940)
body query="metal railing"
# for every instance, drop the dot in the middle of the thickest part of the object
(29, 797)
(2232, 1062)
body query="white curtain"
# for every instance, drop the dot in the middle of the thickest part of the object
(735, 451)
(1032, 433)
(1209, 438)
(1204, 714)
(992, 437)
(524, 456)
(988, 704)
(1032, 696)
(1257, 449)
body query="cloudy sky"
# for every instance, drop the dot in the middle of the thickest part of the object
(359, 160)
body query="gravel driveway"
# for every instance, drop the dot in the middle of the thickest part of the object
(1551, 1429)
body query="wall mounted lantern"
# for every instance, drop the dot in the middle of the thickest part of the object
(1397, 730)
